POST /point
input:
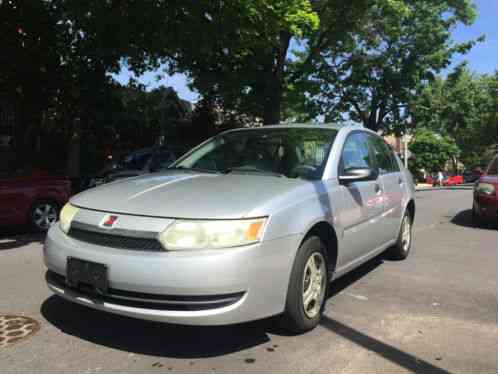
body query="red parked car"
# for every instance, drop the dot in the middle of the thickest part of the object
(485, 197)
(33, 200)
(453, 180)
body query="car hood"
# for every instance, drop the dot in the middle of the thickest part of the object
(184, 194)
(125, 173)
(489, 179)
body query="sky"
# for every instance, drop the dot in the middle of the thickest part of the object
(483, 58)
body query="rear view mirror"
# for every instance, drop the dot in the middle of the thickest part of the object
(358, 175)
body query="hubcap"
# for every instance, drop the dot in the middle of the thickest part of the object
(44, 215)
(407, 234)
(314, 285)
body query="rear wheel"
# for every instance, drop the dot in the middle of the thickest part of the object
(43, 214)
(401, 249)
(307, 287)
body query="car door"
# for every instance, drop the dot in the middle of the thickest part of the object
(361, 204)
(392, 186)
(13, 201)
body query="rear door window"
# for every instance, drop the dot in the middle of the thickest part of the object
(384, 156)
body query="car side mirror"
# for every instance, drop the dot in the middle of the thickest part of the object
(358, 175)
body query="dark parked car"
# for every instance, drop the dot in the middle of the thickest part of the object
(33, 200)
(143, 161)
(472, 176)
(485, 204)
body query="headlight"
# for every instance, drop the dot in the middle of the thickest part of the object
(485, 189)
(66, 216)
(184, 235)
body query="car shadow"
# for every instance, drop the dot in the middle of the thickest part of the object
(355, 275)
(16, 238)
(400, 358)
(152, 338)
(464, 219)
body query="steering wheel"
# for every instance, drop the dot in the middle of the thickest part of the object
(206, 163)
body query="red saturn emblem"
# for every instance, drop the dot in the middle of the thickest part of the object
(109, 221)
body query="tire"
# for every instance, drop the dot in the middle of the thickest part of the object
(296, 318)
(401, 249)
(42, 215)
(477, 220)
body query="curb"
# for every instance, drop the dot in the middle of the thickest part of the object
(448, 188)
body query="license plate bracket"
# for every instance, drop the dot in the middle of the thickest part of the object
(90, 274)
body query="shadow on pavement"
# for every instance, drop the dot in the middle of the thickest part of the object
(353, 276)
(151, 338)
(16, 238)
(464, 219)
(393, 354)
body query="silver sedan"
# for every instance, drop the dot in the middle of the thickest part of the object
(250, 224)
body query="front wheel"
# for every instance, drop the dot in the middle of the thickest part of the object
(401, 249)
(43, 214)
(307, 287)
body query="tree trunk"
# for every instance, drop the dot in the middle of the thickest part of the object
(274, 75)
(372, 121)
(272, 106)
(19, 136)
(73, 156)
(25, 130)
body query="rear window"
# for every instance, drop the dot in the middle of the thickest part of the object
(493, 167)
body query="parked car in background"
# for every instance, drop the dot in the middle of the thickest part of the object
(253, 223)
(429, 179)
(471, 176)
(143, 161)
(33, 200)
(453, 180)
(485, 204)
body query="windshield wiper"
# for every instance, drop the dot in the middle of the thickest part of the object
(199, 170)
(251, 170)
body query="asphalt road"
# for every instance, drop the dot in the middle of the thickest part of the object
(436, 312)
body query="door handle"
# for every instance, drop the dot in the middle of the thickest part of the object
(400, 181)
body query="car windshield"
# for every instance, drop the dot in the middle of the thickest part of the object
(293, 153)
(493, 167)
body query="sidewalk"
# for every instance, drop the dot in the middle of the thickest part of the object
(430, 187)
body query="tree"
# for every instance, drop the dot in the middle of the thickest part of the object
(56, 56)
(237, 52)
(430, 151)
(371, 71)
(260, 58)
(464, 106)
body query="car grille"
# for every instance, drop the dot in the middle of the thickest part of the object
(149, 301)
(115, 241)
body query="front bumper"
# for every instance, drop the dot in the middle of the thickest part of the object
(251, 281)
(486, 206)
